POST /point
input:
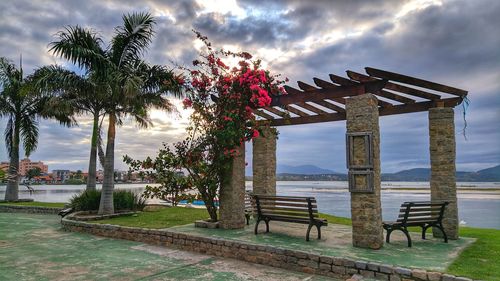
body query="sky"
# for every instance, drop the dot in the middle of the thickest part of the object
(450, 42)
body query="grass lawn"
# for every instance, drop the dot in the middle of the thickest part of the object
(478, 261)
(162, 218)
(37, 204)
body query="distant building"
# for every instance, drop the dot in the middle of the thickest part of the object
(61, 175)
(26, 164)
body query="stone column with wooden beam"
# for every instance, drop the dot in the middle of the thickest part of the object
(232, 194)
(264, 162)
(362, 117)
(442, 154)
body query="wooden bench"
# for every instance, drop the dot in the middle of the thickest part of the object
(65, 212)
(292, 209)
(423, 214)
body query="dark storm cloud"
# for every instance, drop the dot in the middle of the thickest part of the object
(454, 43)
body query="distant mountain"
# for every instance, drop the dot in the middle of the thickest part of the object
(424, 174)
(303, 170)
(311, 172)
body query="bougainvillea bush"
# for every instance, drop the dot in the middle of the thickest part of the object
(222, 98)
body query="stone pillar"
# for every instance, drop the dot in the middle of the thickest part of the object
(264, 162)
(362, 116)
(442, 154)
(232, 194)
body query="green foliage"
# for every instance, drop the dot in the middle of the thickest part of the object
(32, 173)
(86, 201)
(164, 169)
(128, 200)
(2, 175)
(122, 199)
(75, 181)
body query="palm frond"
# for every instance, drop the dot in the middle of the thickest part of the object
(133, 38)
(9, 135)
(29, 133)
(80, 46)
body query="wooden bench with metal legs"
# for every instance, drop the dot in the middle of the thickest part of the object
(292, 209)
(422, 214)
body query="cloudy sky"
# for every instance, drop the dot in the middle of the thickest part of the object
(450, 42)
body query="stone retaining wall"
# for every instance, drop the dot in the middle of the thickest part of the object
(29, 209)
(267, 255)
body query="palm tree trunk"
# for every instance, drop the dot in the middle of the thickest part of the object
(12, 190)
(93, 154)
(106, 204)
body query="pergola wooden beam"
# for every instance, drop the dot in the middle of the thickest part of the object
(383, 111)
(414, 81)
(346, 82)
(363, 78)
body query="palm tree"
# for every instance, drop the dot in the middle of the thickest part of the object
(85, 95)
(23, 107)
(132, 87)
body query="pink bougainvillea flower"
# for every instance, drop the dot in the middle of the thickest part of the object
(187, 103)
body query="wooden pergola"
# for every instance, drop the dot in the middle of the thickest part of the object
(325, 102)
(359, 99)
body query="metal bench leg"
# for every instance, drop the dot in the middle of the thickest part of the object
(257, 226)
(267, 225)
(319, 231)
(424, 230)
(440, 226)
(405, 231)
(308, 231)
(247, 217)
(388, 236)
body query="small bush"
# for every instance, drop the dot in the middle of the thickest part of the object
(128, 200)
(86, 201)
(89, 200)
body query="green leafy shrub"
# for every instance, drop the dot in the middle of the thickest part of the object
(86, 201)
(128, 200)
(122, 200)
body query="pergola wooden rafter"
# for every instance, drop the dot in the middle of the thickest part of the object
(325, 102)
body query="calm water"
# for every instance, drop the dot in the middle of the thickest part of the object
(476, 208)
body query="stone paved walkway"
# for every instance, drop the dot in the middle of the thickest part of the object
(32, 247)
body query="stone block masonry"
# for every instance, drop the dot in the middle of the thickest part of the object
(232, 194)
(442, 154)
(296, 260)
(366, 210)
(264, 162)
(29, 209)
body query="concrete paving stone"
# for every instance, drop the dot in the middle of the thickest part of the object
(34, 247)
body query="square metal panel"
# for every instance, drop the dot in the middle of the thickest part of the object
(361, 181)
(367, 138)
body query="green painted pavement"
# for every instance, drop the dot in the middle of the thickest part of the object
(430, 254)
(33, 247)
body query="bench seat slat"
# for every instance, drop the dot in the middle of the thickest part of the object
(293, 219)
(269, 199)
(282, 204)
(300, 210)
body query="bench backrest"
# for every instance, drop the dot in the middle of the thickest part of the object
(249, 206)
(286, 206)
(421, 211)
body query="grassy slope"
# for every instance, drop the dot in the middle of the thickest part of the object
(164, 218)
(37, 204)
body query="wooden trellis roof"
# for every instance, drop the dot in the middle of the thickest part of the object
(325, 101)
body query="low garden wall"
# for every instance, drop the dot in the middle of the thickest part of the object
(266, 255)
(29, 209)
